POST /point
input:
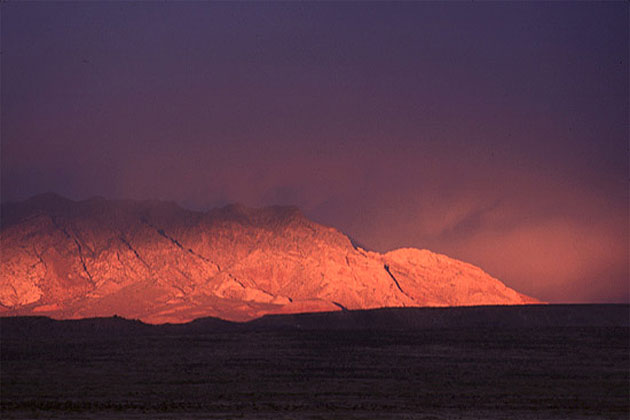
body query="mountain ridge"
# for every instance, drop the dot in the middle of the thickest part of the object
(159, 262)
(385, 319)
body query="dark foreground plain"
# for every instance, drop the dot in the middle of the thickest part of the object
(526, 362)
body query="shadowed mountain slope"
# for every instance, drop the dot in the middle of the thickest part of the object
(158, 262)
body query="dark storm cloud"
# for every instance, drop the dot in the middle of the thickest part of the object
(496, 133)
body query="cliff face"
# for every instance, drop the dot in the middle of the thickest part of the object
(158, 262)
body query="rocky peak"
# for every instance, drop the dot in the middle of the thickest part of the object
(159, 262)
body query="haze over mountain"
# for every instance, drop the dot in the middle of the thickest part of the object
(158, 262)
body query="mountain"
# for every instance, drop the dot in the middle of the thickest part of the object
(158, 262)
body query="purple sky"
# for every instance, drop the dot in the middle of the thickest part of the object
(496, 133)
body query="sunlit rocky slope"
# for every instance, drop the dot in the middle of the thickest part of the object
(158, 262)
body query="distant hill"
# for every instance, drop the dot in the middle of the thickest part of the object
(158, 262)
(384, 319)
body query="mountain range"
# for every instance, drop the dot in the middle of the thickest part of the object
(158, 262)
